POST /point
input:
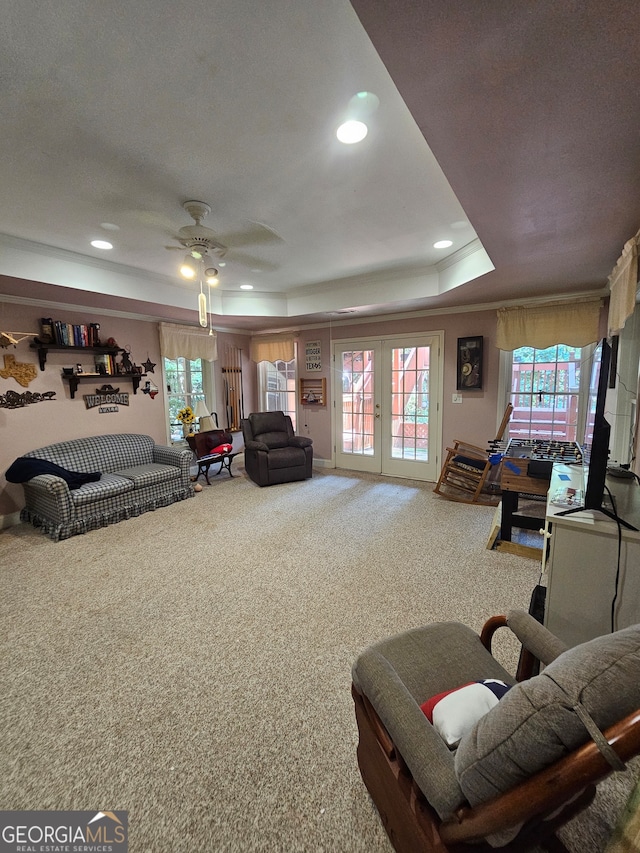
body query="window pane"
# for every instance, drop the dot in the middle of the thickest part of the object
(545, 388)
(279, 387)
(184, 379)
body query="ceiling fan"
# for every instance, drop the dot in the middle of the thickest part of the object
(202, 242)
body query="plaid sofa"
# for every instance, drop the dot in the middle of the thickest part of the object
(137, 475)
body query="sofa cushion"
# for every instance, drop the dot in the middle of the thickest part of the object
(108, 486)
(149, 475)
(104, 453)
(534, 724)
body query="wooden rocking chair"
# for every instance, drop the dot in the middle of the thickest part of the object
(466, 469)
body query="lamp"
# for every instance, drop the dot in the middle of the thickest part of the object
(205, 420)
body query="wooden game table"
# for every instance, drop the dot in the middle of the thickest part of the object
(514, 482)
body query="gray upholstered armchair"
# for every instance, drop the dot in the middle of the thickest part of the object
(272, 452)
(450, 768)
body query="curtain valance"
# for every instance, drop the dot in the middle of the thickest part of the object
(574, 323)
(188, 342)
(273, 348)
(623, 282)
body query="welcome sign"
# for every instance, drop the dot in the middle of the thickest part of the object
(106, 396)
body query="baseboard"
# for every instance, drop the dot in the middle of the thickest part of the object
(323, 463)
(9, 520)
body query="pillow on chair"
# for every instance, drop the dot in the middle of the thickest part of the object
(534, 724)
(455, 712)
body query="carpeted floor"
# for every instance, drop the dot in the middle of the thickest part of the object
(192, 665)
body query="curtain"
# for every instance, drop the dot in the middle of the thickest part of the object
(273, 348)
(540, 326)
(622, 283)
(188, 342)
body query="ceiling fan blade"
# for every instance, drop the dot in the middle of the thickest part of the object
(149, 219)
(251, 261)
(257, 233)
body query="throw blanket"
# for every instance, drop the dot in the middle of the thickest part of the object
(26, 467)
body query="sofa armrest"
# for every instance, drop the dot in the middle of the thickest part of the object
(179, 457)
(300, 441)
(255, 445)
(170, 455)
(48, 496)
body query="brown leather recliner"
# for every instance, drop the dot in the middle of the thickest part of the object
(272, 452)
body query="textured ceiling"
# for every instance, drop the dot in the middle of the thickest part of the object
(511, 122)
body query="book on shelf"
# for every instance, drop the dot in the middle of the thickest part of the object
(70, 334)
(104, 364)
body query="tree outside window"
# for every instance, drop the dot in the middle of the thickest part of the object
(185, 388)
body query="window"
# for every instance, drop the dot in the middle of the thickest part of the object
(546, 392)
(185, 383)
(278, 387)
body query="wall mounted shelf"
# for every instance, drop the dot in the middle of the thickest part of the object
(313, 392)
(43, 349)
(74, 379)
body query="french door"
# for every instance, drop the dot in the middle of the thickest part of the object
(387, 405)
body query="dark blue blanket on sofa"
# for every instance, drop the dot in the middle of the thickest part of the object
(26, 467)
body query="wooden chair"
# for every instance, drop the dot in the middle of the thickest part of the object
(466, 469)
(529, 778)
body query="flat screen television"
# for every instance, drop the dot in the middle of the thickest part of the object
(595, 446)
(597, 433)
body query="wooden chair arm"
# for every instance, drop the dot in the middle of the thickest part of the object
(527, 661)
(547, 789)
(466, 449)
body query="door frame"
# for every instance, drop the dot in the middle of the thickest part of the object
(437, 378)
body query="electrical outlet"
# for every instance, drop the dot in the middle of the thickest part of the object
(456, 398)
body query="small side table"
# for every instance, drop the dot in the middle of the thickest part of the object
(205, 462)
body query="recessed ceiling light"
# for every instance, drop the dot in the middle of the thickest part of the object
(246, 287)
(443, 244)
(109, 226)
(101, 244)
(352, 131)
(222, 264)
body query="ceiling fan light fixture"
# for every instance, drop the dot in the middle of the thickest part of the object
(189, 268)
(211, 276)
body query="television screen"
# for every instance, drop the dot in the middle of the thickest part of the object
(597, 430)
